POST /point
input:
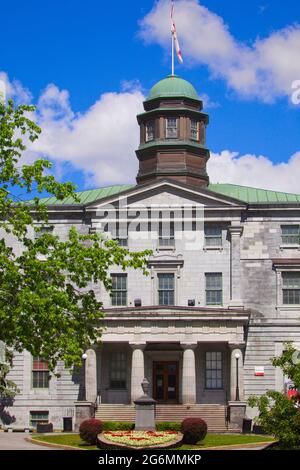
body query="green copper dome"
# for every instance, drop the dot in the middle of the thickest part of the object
(173, 87)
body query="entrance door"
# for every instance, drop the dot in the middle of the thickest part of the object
(165, 381)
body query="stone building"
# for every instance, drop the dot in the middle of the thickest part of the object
(221, 298)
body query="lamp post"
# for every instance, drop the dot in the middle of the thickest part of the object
(237, 390)
(84, 358)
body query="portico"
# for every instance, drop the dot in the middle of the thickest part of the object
(188, 356)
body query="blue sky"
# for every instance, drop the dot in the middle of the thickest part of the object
(80, 51)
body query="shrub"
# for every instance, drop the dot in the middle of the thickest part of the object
(117, 426)
(129, 426)
(168, 426)
(89, 430)
(193, 430)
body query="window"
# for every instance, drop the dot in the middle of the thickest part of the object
(194, 130)
(166, 234)
(118, 370)
(291, 288)
(40, 373)
(122, 241)
(213, 288)
(150, 133)
(213, 235)
(213, 370)
(290, 234)
(39, 231)
(119, 290)
(171, 128)
(121, 235)
(38, 417)
(166, 289)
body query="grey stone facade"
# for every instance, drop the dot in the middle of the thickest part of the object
(251, 321)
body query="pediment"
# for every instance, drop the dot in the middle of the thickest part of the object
(168, 193)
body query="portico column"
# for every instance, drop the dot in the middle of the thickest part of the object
(237, 357)
(137, 370)
(189, 374)
(90, 376)
(235, 233)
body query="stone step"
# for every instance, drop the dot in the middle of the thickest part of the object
(214, 415)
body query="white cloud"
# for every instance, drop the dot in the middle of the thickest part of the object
(264, 69)
(101, 142)
(255, 171)
(14, 89)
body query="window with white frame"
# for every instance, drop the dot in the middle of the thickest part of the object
(213, 235)
(38, 417)
(290, 234)
(121, 235)
(40, 373)
(291, 288)
(119, 290)
(194, 130)
(150, 131)
(214, 288)
(171, 128)
(118, 370)
(166, 234)
(166, 288)
(213, 370)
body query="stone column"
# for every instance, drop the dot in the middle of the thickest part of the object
(189, 374)
(91, 376)
(236, 349)
(235, 233)
(137, 370)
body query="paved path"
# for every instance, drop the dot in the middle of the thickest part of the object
(16, 441)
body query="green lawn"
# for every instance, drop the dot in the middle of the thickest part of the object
(215, 440)
(211, 440)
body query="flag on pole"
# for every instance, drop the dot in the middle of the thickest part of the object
(174, 33)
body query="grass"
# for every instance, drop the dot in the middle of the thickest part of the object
(211, 440)
(216, 440)
(65, 440)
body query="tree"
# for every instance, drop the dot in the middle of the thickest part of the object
(279, 415)
(46, 305)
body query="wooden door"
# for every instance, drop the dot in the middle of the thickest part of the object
(166, 381)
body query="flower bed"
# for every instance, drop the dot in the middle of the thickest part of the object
(139, 439)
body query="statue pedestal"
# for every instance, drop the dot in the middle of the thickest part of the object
(237, 410)
(145, 414)
(83, 410)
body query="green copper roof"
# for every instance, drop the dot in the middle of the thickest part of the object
(241, 193)
(254, 195)
(89, 196)
(173, 87)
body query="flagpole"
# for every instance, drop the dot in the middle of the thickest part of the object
(172, 54)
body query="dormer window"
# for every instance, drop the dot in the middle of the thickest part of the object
(150, 131)
(171, 128)
(194, 130)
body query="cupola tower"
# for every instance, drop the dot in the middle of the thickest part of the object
(172, 134)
